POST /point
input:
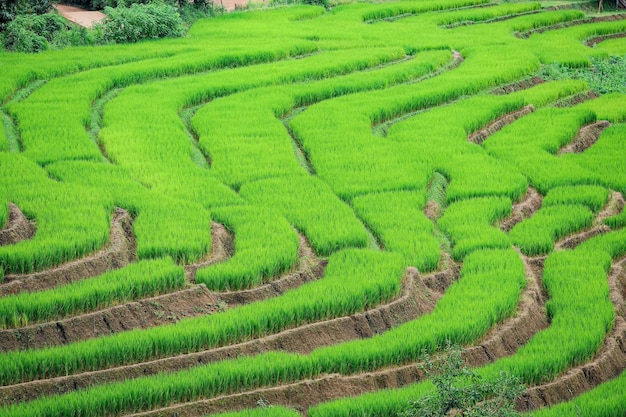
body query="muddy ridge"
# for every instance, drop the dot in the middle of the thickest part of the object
(517, 86)
(576, 99)
(523, 209)
(586, 136)
(591, 42)
(503, 340)
(613, 207)
(479, 136)
(18, 227)
(118, 253)
(149, 312)
(414, 301)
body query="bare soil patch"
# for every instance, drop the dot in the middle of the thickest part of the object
(613, 207)
(119, 252)
(586, 136)
(18, 227)
(223, 247)
(81, 17)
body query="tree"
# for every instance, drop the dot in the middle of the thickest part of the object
(7, 12)
(461, 391)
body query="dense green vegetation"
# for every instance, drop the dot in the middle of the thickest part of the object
(349, 128)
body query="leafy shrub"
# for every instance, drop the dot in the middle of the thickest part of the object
(141, 21)
(32, 33)
(7, 12)
(33, 6)
(604, 75)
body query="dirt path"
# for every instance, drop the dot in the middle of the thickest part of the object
(230, 5)
(81, 17)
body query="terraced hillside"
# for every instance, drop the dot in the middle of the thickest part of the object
(290, 206)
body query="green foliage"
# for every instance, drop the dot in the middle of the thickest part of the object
(311, 207)
(33, 33)
(376, 109)
(463, 391)
(604, 75)
(72, 220)
(580, 311)
(607, 399)
(616, 221)
(7, 12)
(398, 220)
(141, 21)
(532, 142)
(262, 411)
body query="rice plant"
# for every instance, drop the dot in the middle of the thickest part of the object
(592, 197)
(136, 281)
(469, 223)
(265, 246)
(537, 234)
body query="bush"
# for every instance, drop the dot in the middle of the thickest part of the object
(461, 391)
(139, 22)
(33, 6)
(7, 12)
(32, 33)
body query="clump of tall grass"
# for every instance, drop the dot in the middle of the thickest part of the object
(163, 226)
(607, 399)
(473, 305)
(72, 220)
(531, 144)
(263, 410)
(576, 282)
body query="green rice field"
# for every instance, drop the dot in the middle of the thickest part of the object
(281, 212)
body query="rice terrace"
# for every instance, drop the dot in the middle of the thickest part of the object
(283, 211)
